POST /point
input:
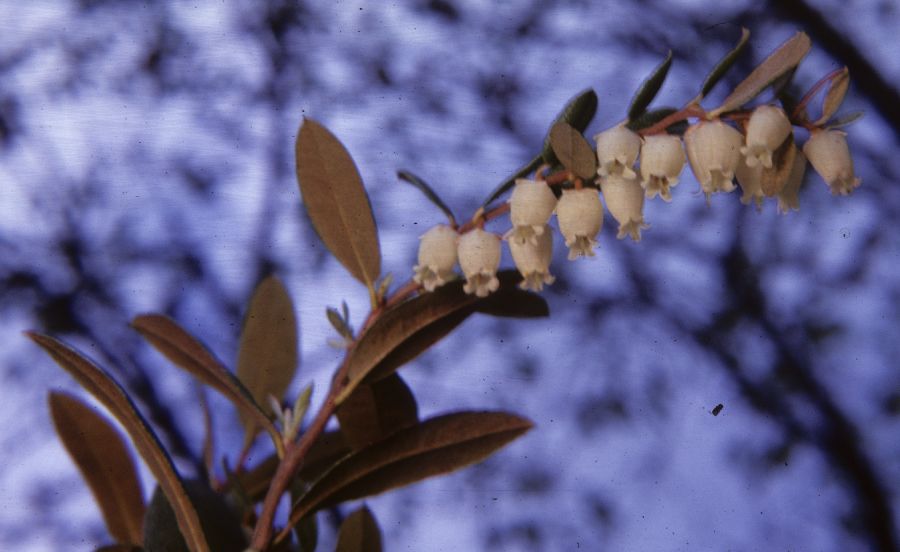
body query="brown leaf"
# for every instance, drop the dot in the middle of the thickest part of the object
(336, 201)
(325, 452)
(437, 446)
(837, 89)
(573, 151)
(105, 463)
(774, 179)
(399, 324)
(267, 357)
(119, 548)
(377, 410)
(359, 533)
(186, 352)
(512, 302)
(507, 301)
(114, 398)
(779, 62)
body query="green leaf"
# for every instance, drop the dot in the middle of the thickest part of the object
(359, 533)
(423, 187)
(267, 356)
(339, 323)
(578, 114)
(779, 62)
(573, 151)
(724, 64)
(336, 201)
(105, 464)
(837, 90)
(650, 88)
(504, 186)
(99, 384)
(434, 447)
(377, 410)
(186, 352)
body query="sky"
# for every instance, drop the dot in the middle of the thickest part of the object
(146, 165)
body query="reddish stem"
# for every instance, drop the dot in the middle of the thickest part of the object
(691, 110)
(812, 93)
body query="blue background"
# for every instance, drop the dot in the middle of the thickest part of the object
(146, 164)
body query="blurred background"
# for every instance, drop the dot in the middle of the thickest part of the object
(146, 164)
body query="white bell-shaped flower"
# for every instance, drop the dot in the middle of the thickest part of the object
(829, 154)
(479, 258)
(662, 160)
(767, 129)
(437, 256)
(533, 260)
(714, 150)
(530, 207)
(789, 195)
(580, 217)
(617, 150)
(750, 180)
(625, 201)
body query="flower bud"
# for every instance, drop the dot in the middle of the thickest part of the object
(750, 180)
(829, 154)
(479, 258)
(714, 150)
(437, 255)
(580, 217)
(789, 196)
(617, 150)
(625, 201)
(533, 260)
(530, 207)
(662, 159)
(767, 129)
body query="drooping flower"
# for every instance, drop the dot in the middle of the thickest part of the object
(617, 150)
(662, 160)
(789, 195)
(533, 260)
(479, 258)
(437, 256)
(767, 129)
(829, 154)
(750, 180)
(714, 150)
(625, 201)
(530, 207)
(580, 217)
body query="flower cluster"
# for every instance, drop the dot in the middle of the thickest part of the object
(642, 158)
(763, 159)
